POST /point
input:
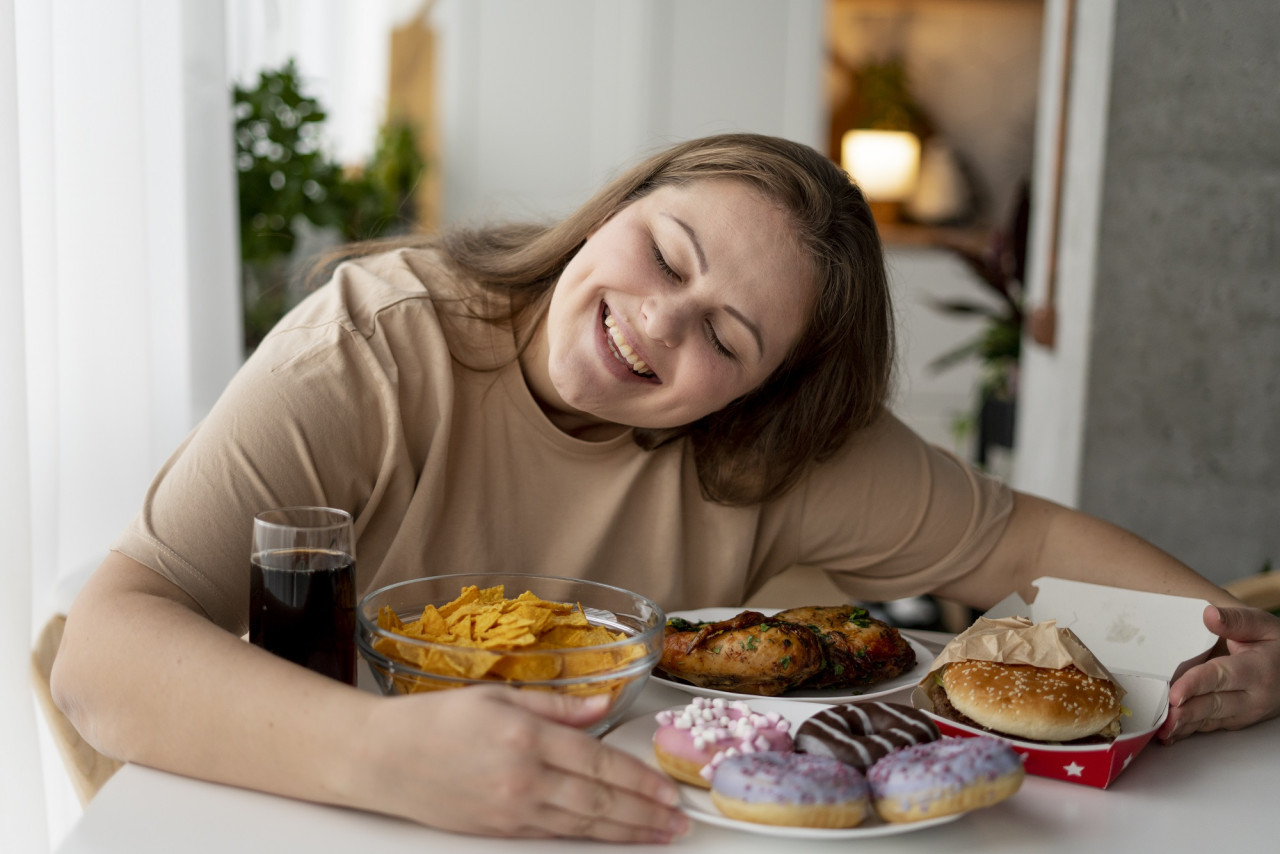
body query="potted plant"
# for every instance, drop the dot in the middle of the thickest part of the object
(1000, 266)
(295, 200)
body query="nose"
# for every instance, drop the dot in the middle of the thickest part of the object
(664, 319)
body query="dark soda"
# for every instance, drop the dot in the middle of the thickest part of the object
(302, 608)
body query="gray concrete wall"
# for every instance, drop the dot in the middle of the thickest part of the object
(1182, 424)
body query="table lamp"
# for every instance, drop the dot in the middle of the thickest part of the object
(885, 163)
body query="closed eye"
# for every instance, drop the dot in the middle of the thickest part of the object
(716, 344)
(663, 265)
(671, 274)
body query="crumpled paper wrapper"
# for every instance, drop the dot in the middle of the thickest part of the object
(1016, 640)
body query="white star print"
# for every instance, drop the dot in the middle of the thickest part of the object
(1073, 770)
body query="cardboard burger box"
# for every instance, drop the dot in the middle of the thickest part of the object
(1145, 640)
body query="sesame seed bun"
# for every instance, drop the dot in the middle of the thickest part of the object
(1033, 703)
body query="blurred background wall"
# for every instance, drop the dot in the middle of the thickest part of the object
(1160, 408)
(1144, 129)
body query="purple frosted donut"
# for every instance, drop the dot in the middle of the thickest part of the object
(858, 734)
(943, 777)
(791, 789)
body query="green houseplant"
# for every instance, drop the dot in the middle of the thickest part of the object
(1000, 267)
(294, 199)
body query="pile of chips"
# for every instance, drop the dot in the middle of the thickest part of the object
(484, 635)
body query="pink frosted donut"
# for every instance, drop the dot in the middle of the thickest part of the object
(790, 789)
(943, 777)
(690, 740)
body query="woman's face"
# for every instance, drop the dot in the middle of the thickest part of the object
(683, 301)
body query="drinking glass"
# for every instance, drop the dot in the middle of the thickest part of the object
(302, 588)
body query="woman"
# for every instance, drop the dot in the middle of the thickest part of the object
(678, 389)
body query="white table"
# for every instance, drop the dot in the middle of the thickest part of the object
(1213, 792)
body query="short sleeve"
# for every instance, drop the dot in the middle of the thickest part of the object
(896, 516)
(310, 419)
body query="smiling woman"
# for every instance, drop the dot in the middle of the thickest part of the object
(640, 301)
(676, 390)
(804, 346)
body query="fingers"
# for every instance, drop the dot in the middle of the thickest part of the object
(578, 754)
(608, 791)
(564, 804)
(504, 762)
(1253, 644)
(1242, 625)
(562, 708)
(1209, 677)
(587, 822)
(1209, 712)
(1234, 690)
(1226, 688)
(584, 788)
(603, 810)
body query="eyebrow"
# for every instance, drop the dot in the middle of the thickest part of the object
(751, 327)
(702, 266)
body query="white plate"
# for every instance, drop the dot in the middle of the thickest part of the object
(924, 658)
(636, 737)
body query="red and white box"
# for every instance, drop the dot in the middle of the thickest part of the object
(1146, 640)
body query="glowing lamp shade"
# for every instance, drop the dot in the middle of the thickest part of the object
(885, 163)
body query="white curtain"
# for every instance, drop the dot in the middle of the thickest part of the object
(21, 805)
(121, 323)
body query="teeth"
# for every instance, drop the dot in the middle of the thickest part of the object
(625, 350)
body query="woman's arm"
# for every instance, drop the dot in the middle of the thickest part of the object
(1046, 539)
(1240, 686)
(146, 677)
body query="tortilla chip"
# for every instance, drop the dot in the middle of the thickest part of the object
(481, 624)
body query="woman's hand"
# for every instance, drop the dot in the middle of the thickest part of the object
(486, 760)
(1232, 690)
(504, 762)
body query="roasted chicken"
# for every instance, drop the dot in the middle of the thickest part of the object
(746, 654)
(860, 650)
(813, 647)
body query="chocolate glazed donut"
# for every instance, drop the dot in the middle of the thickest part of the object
(858, 734)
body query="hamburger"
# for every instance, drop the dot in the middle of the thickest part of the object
(1024, 680)
(1027, 702)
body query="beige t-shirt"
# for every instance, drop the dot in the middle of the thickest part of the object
(354, 401)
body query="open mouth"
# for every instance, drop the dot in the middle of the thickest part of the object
(622, 351)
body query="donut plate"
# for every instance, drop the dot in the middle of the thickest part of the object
(908, 680)
(636, 737)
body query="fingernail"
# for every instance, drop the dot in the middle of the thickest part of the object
(596, 703)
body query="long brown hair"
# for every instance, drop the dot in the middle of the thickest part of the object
(837, 377)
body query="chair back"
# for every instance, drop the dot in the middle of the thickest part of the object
(1260, 591)
(87, 768)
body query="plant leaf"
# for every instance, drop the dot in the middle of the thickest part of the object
(951, 358)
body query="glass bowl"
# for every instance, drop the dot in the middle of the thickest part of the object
(406, 665)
